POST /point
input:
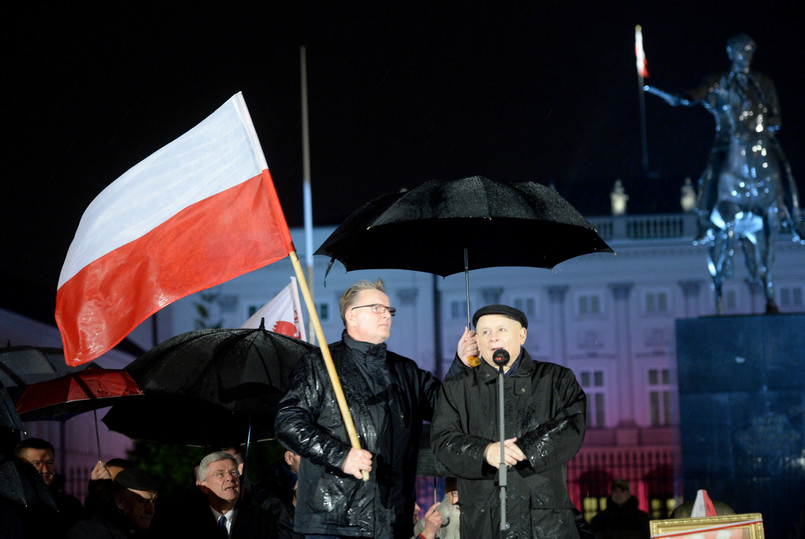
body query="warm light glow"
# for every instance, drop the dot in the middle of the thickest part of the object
(642, 63)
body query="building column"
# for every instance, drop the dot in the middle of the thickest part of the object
(624, 388)
(405, 301)
(556, 306)
(690, 292)
(757, 296)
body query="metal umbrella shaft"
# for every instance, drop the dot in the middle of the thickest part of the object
(473, 360)
(467, 285)
(97, 434)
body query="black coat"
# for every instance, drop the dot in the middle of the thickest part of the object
(545, 410)
(625, 521)
(196, 520)
(388, 396)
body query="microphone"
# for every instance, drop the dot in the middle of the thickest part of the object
(500, 357)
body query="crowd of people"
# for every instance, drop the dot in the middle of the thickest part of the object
(331, 487)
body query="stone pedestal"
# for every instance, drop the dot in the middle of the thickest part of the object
(741, 403)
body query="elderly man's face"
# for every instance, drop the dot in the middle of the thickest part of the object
(137, 506)
(223, 481)
(496, 331)
(42, 460)
(363, 323)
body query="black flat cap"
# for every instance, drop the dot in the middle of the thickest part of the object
(136, 479)
(504, 310)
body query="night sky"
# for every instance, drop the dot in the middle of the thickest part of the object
(542, 91)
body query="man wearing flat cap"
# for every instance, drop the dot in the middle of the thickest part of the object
(135, 496)
(544, 423)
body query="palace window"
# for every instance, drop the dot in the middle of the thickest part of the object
(659, 393)
(656, 302)
(593, 384)
(589, 304)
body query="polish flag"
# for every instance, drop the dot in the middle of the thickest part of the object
(196, 213)
(283, 314)
(642, 63)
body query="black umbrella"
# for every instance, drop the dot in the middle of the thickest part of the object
(25, 365)
(445, 227)
(209, 386)
(21, 483)
(9, 418)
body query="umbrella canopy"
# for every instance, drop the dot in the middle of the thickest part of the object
(76, 393)
(25, 365)
(433, 226)
(21, 483)
(209, 386)
(9, 418)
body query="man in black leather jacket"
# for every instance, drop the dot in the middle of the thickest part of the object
(388, 395)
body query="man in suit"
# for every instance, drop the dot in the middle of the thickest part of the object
(224, 515)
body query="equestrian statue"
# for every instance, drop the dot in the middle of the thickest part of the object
(747, 193)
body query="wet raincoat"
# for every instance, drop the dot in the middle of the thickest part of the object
(545, 410)
(389, 396)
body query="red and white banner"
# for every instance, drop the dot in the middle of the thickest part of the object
(196, 213)
(703, 506)
(283, 314)
(642, 63)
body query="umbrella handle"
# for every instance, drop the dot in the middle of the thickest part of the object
(473, 360)
(97, 435)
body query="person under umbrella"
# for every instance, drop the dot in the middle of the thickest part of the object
(218, 510)
(132, 511)
(40, 454)
(544, 424)
(389, 397)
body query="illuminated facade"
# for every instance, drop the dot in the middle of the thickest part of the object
(610, 318)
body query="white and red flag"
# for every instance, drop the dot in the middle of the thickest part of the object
(198, 212)
(642, 63)
(283, 314)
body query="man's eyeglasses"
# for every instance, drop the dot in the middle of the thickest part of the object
(221, 475)
(377, 308)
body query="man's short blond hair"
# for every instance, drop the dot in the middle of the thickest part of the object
(350, 295)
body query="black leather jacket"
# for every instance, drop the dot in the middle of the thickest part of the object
(389, 396)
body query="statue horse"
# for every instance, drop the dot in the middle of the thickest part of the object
(749, 206)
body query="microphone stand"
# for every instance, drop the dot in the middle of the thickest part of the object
(501, 358)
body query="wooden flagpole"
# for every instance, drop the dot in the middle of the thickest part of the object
(328, 359)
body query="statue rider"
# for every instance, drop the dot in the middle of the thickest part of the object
(717, 94)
